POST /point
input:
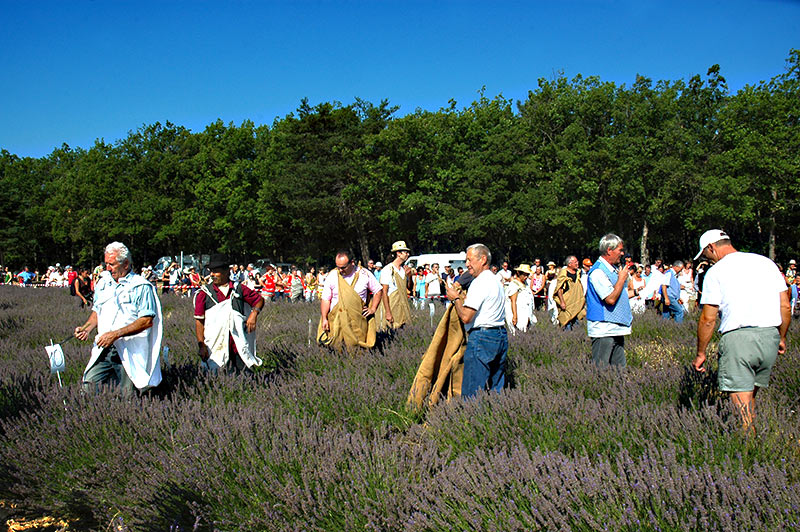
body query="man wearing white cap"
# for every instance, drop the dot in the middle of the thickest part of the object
(755, 318)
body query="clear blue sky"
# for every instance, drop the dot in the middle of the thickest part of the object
(75, 71)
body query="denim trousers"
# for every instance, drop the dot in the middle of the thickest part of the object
(674, 310)
(485, 361)
(106, 370)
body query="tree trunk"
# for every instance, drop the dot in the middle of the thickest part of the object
(772, 224)
(643, 244)
(364, 248)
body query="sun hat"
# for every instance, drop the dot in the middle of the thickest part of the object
(524, 268)
(379, 264)
(587, 262)
(709, 237)
(793, 262)
(551, 263)
(400, 245)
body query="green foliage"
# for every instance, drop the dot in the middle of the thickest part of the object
(656, 162)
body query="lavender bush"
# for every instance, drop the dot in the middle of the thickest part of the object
(322, 440)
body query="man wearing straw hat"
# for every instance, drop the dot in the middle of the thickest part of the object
(127, 315)
(393, 281)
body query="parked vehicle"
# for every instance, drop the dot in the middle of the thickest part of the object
(456, 260)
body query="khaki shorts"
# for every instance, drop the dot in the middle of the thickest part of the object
(746, 357)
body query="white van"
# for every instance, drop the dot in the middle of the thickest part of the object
(456, 260)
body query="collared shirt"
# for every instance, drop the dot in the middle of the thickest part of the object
(142, 297)
(366, 284)
(602, 285)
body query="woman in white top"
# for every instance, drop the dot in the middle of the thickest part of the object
(552, 309)
(686, 280)
(637, 283)
(519, 300)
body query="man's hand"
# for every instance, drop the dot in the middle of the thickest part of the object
(250, 324)
(782, 346)
(452, 293)
(107, 339)
(698, 362)
(325, 325)
(666, 300)
(680, 301)
(81, 333)
(202, 351)
(389, 317)
(514, 321)
(367, 312)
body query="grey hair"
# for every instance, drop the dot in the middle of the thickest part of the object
(609, 242)
(482, 251)
(678, 263)
(120, 250)
(569, 258)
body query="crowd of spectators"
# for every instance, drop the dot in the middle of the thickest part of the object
(426, 284)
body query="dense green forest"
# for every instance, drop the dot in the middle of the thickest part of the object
(655, 162)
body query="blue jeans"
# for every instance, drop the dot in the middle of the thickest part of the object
(108, 369)
(485, 361)
(674, 310)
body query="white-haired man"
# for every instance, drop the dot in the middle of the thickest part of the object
(755, 318)
(608, 311)
(127, 314)
(483, 315)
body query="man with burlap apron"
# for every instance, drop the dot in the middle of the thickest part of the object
(346, 320)
(397, 311)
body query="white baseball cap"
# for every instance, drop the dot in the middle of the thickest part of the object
(709, 237)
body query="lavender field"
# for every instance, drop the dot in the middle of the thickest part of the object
(317, 440)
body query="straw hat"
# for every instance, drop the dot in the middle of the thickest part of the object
(524, 268)
(400, 245)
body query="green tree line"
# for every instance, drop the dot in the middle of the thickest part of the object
(656, 163)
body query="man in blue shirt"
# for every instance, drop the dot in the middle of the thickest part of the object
(671, 290)
(608, 311)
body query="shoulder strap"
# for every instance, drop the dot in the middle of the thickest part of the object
(209, 293)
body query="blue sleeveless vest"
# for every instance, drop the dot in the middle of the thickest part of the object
(599, 310)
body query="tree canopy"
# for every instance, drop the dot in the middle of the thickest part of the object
(656, 163)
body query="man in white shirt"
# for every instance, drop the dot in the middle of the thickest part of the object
(483, 316)
(433, 280)
(755, 318)
(127, 315)
(504, 274)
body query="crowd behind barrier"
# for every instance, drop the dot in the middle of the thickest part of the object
(274, 284)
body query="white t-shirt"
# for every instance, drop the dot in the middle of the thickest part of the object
(432, 280)
(387, 277)
(747, 289)
(504, 276)
(487, 297)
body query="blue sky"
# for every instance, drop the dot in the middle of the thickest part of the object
(76, 71)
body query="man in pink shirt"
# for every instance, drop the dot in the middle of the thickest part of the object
(358, 280)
